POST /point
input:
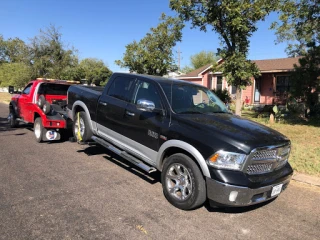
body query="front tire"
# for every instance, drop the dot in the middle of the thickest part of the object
(183, 183)
(81, 129)
(13, 120)
(38, 129)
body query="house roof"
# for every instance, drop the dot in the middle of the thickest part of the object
(279, 64)
(195, 72)
(267, 65)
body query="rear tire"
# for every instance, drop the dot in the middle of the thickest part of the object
(183, 183)
(81, 129)
(38, 129)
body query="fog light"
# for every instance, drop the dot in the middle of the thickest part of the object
(233, 195)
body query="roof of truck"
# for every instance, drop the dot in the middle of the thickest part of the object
(156, 78)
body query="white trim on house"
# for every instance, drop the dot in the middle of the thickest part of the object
(205, 70)
(188, 77)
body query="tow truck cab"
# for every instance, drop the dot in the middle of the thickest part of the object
(42, 103)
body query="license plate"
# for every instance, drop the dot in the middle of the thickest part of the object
(276, 190)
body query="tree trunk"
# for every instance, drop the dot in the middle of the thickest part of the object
(238, 101)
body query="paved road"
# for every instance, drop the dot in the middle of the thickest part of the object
(69, 191)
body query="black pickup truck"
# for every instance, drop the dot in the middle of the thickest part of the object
(184, 131)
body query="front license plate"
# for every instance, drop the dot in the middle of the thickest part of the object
(276, 190)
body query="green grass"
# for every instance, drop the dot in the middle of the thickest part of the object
(305, 140)
(5, 97)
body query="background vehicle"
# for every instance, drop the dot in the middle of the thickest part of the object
(43, 103)
(186, 132)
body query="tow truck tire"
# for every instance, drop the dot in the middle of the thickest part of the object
(82, 133)
(13, 120)
(46, 107)
(38, 129)
(183, 183)
(41, 101)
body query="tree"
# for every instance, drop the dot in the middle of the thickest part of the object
(235, 22)
(153, 54)
(94, 71)
(201, 59)
(49, 56)
(15, 74)
(13, 50)
(300, 26)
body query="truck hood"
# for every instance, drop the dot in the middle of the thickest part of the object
(240, 132)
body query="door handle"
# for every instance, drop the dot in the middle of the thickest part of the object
(103, 103)
(130, 113)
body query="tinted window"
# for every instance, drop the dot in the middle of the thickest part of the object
(53, 89)
(27, 89)
(120, 88)
(147, 91)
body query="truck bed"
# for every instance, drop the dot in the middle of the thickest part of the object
(87, 94)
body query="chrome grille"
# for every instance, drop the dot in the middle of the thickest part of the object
(264, 154)
(259, 168)
(268, 159)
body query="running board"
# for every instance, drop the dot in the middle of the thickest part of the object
(124, 154)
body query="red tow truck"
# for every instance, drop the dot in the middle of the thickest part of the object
(42, 103)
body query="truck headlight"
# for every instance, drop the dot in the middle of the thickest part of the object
(227, 160)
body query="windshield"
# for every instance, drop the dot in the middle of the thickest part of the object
(188, 99)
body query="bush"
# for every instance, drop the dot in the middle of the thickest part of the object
(224, 95)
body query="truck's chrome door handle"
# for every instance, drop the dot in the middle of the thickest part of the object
(103, 103)
(130, 113)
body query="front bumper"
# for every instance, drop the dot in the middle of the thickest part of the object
(222, 194)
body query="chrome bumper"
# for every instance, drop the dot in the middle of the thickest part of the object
(224, 194)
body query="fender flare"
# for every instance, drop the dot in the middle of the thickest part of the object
(186, 147)
(86, 110)
(13, 107)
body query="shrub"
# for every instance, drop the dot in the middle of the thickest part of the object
(224, 95)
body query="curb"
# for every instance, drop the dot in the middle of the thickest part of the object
(304, 178)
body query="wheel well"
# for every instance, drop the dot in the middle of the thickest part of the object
(36, 115)
(173, 150)
(78, 109)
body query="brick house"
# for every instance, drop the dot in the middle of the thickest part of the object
(270, 88)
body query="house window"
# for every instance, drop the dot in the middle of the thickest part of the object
(233, 89)
(219, 83)
(283, 84)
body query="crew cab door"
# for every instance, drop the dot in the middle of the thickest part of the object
(24, 103)
(111, 108)
(142, 127)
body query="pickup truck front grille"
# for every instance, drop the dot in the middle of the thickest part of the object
(264, 160)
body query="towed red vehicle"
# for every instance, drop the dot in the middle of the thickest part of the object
(42, 103)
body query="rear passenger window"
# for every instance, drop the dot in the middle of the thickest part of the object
(121, 88)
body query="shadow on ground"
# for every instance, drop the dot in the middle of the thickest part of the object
(152, 178)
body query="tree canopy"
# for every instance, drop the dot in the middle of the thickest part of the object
(200, 59)
(46, 55)
(235, 22)
(299, 25)
(153, 54)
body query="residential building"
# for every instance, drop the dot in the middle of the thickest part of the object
(270, 88)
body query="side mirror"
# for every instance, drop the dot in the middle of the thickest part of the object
(145, 105)
(11, 89)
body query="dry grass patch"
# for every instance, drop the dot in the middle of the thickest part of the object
(305, 140)
(5, 97)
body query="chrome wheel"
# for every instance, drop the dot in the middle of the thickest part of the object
(178, 181)
(79, 127)
(37, 130)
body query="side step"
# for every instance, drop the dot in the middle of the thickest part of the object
(124, 154)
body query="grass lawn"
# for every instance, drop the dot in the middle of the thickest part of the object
(305, 140)
(5, 97)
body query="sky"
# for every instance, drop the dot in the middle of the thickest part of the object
(102, 28)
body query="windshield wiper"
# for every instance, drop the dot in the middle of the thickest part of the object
(218, 112)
